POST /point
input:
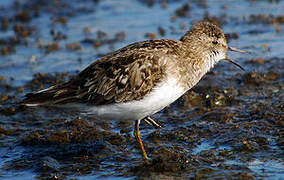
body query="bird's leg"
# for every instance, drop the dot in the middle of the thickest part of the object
(152, 122)
(138, 139)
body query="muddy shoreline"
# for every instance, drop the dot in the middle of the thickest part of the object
(228, 126)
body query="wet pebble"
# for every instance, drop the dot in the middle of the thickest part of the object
(48, 164)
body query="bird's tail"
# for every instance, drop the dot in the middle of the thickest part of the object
(50, 96)
(41, 97)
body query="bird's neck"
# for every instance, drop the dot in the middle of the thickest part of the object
(198, 65)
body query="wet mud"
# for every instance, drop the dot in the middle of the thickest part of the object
(229, 126)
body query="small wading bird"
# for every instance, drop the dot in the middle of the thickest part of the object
(136, 81)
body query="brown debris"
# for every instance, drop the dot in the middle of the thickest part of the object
(256, 61)
(7, 111)
(161, 31)
(74, 46)
(230, 36)
(60, 20)
(277, 28)
(4, 24)
(59, 36)
(41, 79)
(51, 47)
(266, 19)
(3, 78)
(150, 35)
(183, 11)
(59, 137)
(217, 20)
(23, 16)
(23, 31)
(164, 4)
(164, 161)
(5, 132)
(7, 50)
(97, 44)
(202, 3)
(120, 36)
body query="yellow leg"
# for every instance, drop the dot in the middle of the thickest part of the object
(138, 139)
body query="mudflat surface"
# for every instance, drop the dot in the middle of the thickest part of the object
(229, 126)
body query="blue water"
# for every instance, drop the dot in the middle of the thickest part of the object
(136, 19)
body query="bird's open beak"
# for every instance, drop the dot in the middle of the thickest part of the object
(231, 61)
(237, 50)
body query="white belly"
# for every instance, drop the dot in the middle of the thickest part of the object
(160, 97)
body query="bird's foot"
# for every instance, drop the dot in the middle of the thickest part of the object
(152, 122)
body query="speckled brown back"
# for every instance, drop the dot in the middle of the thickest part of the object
(124, 75)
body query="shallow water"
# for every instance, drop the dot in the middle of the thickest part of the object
(228, 126)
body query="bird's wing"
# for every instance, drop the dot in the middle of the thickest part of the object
(124, 75)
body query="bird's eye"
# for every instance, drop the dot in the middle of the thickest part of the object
(214, 42)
